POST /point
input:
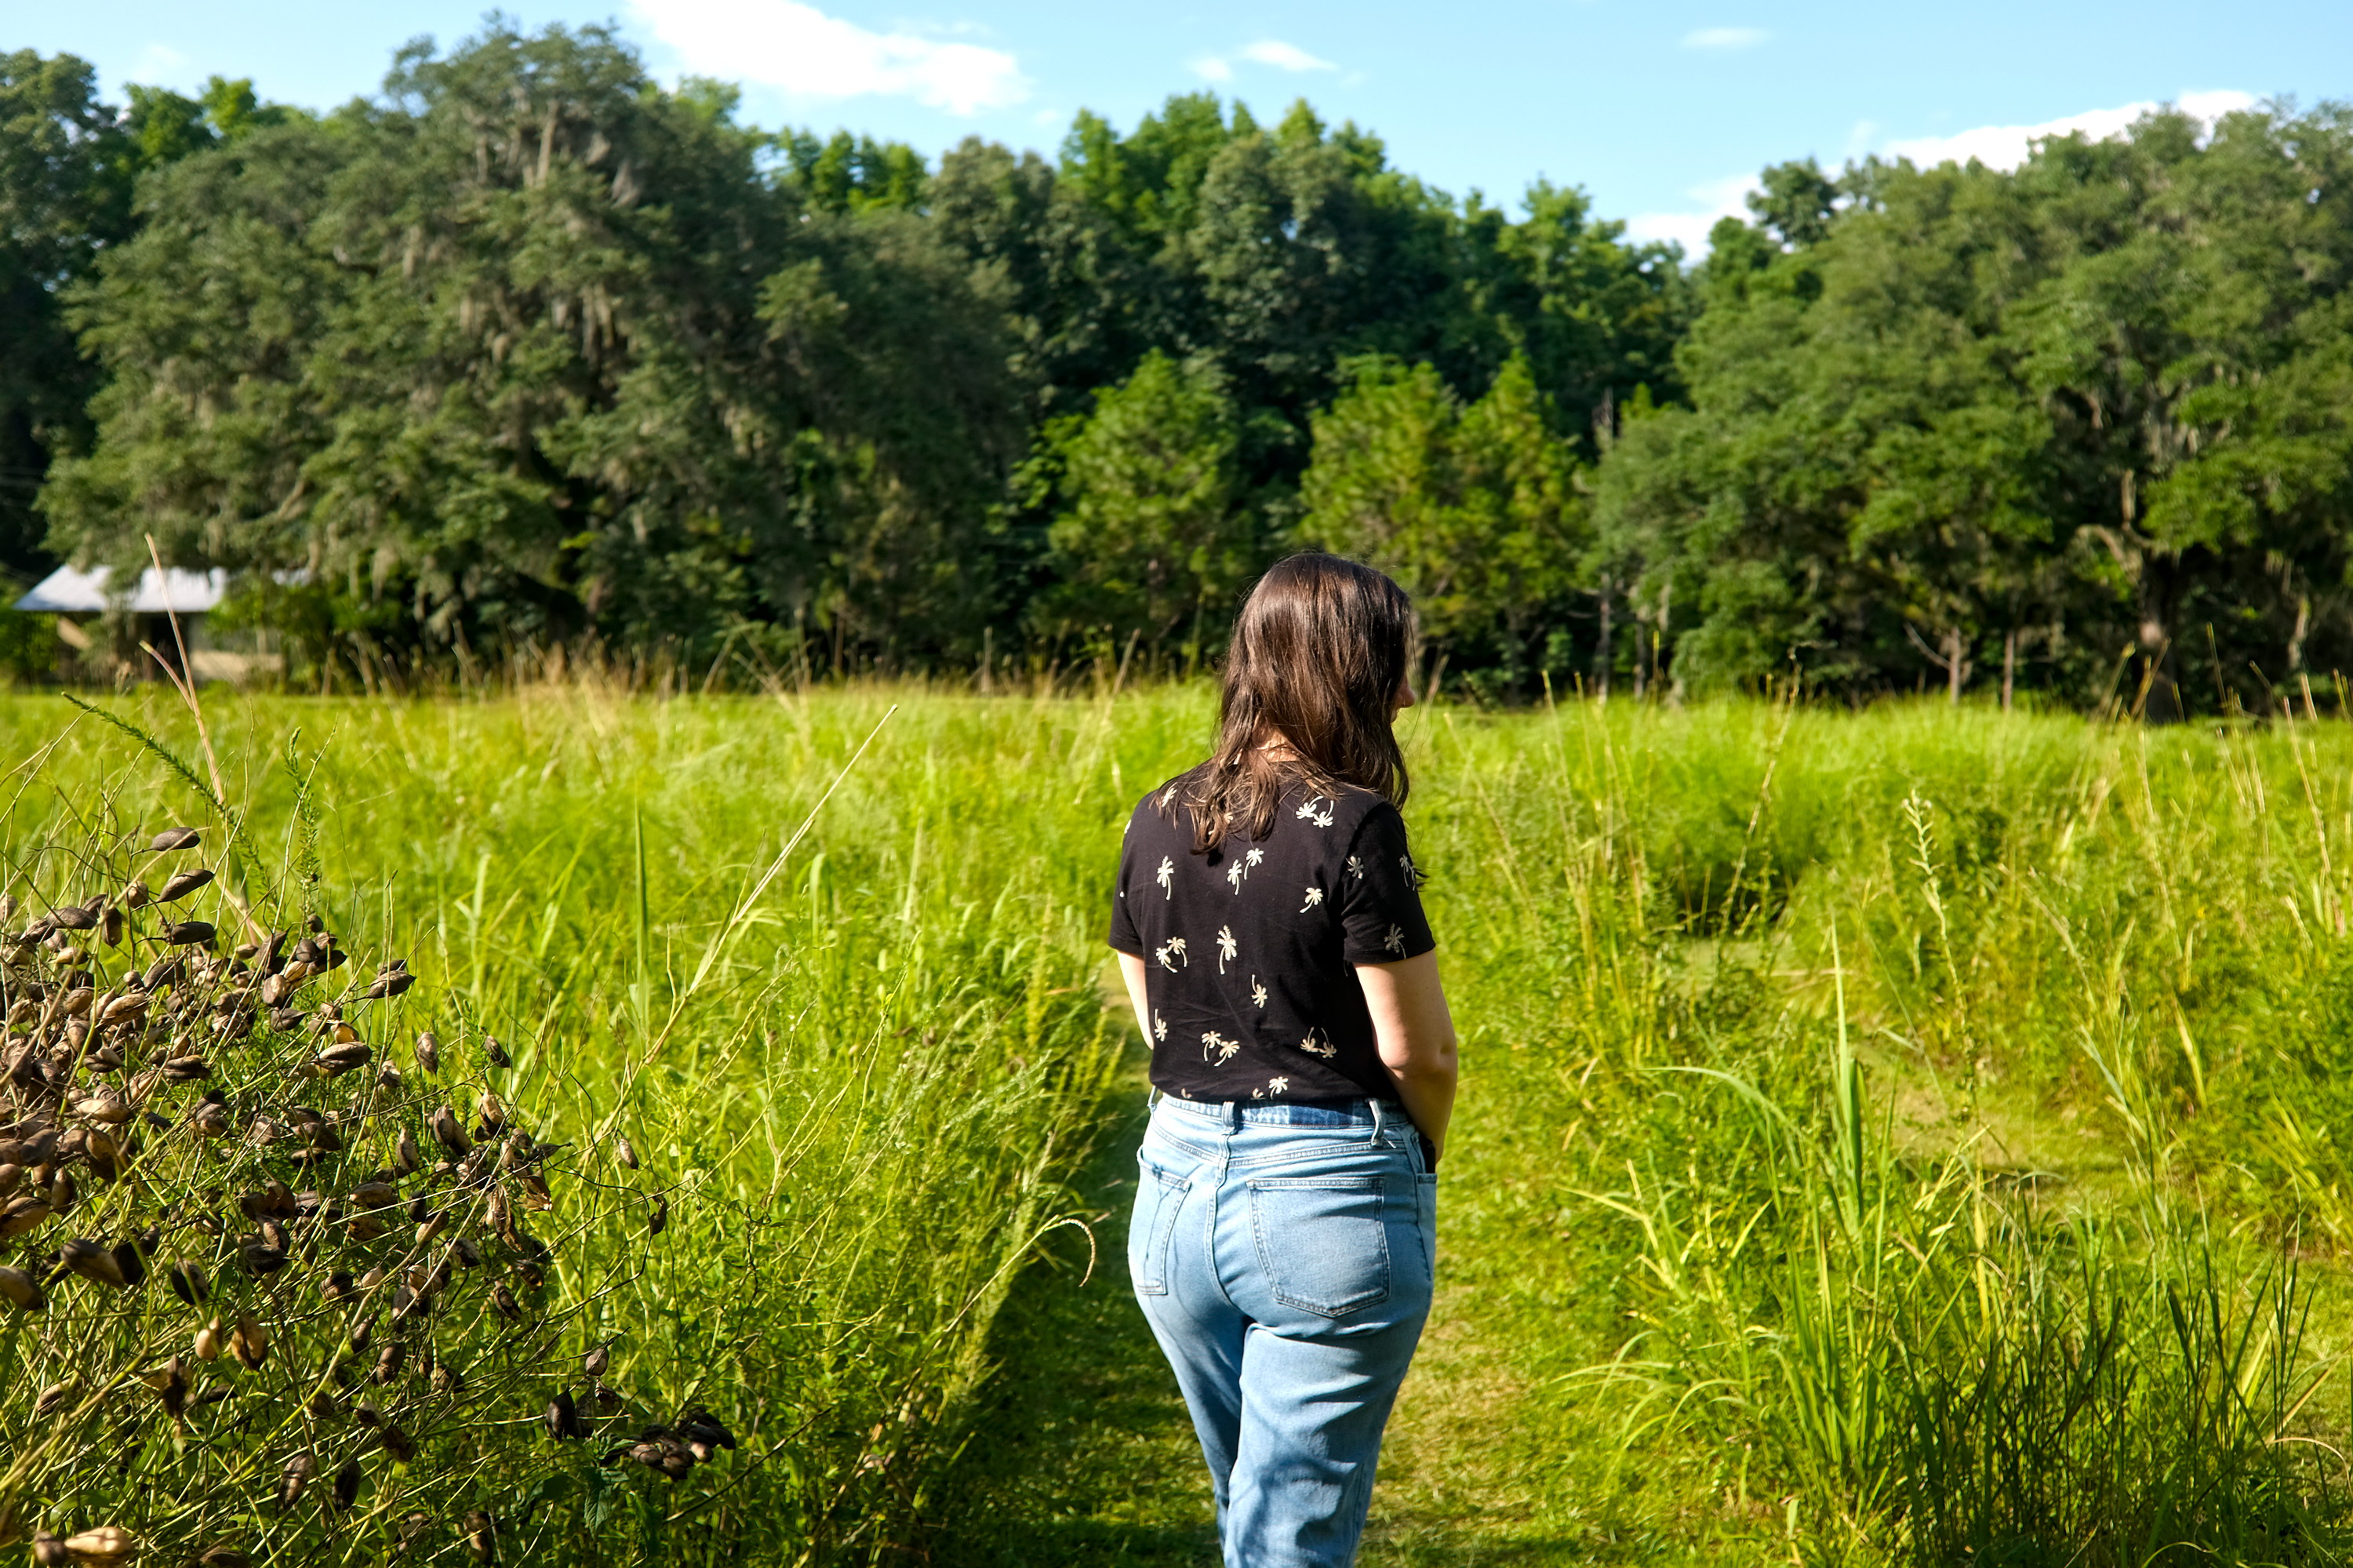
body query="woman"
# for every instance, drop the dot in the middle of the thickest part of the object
(1302, 1065)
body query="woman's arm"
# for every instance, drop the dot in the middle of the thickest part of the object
(1131, 970)
(1415, 1034)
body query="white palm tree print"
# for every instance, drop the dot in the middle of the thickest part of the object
(1216, 1047)
(1254, 858)
(1317, 811)
(1394, 942)
(1167, 795)
(1316, 1045)
(1159, 1027)
(1234, 875)
(1226, 946)
(1172, 948)
(1167, 877)
(1413, 877)
(1258, 994)
(1356, 867)
(1315, 897)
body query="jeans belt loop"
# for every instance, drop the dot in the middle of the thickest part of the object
(1378, 1121)
(1152, 1100)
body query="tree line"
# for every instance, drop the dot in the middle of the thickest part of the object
(527, 349)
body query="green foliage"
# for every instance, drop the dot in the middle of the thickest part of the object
(1475, 510)
(1944, 419)
(1157, 538)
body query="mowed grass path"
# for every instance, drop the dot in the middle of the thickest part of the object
(2074, 970)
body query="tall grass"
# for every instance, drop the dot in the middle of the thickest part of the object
(1898, 1137)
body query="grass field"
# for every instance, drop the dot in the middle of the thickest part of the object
(1907, 1136)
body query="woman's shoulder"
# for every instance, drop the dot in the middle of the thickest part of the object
(1165, 801)
(1335, 804)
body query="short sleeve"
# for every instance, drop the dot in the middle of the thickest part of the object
(1380, 900)
(1122, 924)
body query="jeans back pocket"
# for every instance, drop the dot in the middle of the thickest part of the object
(1323, 1241)
(1159, 1197)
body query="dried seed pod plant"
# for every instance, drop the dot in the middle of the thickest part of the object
(221, 1226)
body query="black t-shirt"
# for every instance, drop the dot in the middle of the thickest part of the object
(1248, 949)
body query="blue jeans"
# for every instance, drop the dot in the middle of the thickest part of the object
(1283, 1256)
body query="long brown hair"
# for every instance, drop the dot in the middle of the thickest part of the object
(1318, 655)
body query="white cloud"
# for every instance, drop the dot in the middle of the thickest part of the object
(1209, 68)
(1725, 38)
(799, 49)
(2006, 146)
(1717, 199)
(1284, 57)
(158, 62)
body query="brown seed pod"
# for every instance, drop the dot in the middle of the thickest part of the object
(626, 1152)
(107, 1543)
(77, 1001)
(208, 1341)
(248, 1343)
(134, 895)
(209, 1119)
(52, 1399)
(338, 1286)
(504, 1301)
(597, 1359)
(387, 1362)
(175, 839)
(429, 1052)
(397, 1443)
(451, 1135)
(181, 884)
(341, 1059)
(704, 1433)
(187, 1069)
(223, 1557)
(260, 1258)
(494, 1113)
(481, 1538)
(10, 1176)
(23, 1290)
(170, 1384)
(109, 926)
(405, 1159)
(389, 985)
(186, 933)
(297, 1476)
(132, 1260)
(189, 1282)
(374, 1195)
(63, 1193)
(74, 918)
(49, 1552)
(93, 1262)
(496, 1053)
(347, 1484)
(657, 1215)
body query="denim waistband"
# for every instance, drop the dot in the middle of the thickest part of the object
(1288, 1113)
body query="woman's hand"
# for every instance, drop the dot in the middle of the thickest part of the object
(1416, 1037)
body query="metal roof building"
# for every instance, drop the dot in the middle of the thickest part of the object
(67, 591)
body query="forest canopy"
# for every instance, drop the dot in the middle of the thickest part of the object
(528, 349)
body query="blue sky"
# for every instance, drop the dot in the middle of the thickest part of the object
(1664, 112)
